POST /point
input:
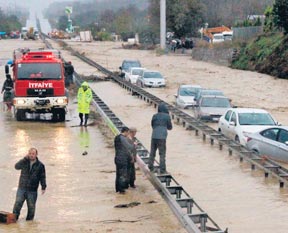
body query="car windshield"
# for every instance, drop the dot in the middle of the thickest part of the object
(209, 92)
(215, 102)
(153, 75)
(255, 119)
(39, 71)
(128, 64)
(189, 91)
(137, 72)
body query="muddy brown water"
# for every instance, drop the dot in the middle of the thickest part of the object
(80, 194)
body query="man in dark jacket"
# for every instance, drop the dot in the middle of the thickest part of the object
(69, 71)
(32, 173)
(123, 150)
(8, 91)
(161, 122)
(131, 164)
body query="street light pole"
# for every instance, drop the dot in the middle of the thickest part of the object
(163, 24)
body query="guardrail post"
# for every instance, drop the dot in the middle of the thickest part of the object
(220, 146)
(230, 152)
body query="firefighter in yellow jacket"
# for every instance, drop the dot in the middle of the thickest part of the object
(84, 98)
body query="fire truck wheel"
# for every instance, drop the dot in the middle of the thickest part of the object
(20, 115)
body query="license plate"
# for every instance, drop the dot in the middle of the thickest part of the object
(215, 119)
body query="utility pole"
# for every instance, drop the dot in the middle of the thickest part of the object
(163, 24)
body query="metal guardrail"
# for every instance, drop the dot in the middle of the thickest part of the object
(269, 166)
(185, 208)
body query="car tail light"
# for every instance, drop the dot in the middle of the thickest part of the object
(249, 139)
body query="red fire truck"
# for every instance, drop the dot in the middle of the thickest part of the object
(39, 83)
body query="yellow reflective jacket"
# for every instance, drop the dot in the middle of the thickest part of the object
(84, 99)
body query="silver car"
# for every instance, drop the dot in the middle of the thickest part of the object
(150, 78)
(213, 92)
(271, 142)
(185, 95)
(211, 108)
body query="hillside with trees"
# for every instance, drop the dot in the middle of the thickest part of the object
(268, 53)
(11, 22)
(185, 18)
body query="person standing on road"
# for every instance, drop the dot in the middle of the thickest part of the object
(7, 89)
(123, 151)
(131, 164)
(84, 98)
(69, 71)
(161, 122)
(32, 173)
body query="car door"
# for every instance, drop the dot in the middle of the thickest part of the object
(127, 75)
(224, 123)
(282, 147)
(267, 144)
(178, 98)
(232, 125)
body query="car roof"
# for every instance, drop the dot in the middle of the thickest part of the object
(248, 110)
(154, 71)
(187, 85)
(278, 127)
(214, 96)
(214, 90)
(137, 68)
(131, 60)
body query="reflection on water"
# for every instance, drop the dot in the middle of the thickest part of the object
(84, 137)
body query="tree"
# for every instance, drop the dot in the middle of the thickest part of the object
(62, 22)
(183, 17)
(280, 13)
(268, 23)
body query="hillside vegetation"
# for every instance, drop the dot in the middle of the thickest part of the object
(267, 54)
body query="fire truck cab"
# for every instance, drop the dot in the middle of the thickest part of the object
(39, 83)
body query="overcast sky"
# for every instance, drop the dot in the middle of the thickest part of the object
(34, 5)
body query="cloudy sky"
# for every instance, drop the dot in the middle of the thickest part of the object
(34, 5)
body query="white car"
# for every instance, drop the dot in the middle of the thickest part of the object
(186, 94)
(133, 74)
(150, 78)
(238, 123)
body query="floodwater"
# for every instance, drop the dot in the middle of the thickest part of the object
(80, 195)
(229, 191)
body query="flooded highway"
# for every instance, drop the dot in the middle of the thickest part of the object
(80, 196)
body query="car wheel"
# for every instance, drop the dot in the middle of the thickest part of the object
(237, 139)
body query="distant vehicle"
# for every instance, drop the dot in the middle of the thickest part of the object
(185, 96)
(228, 35)
(218, 38)
(272, 142)
(211, 108)
(151, 78)
(126, 64)
(133, 74)
(24, 31)
(208, 92)
(237, 123)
